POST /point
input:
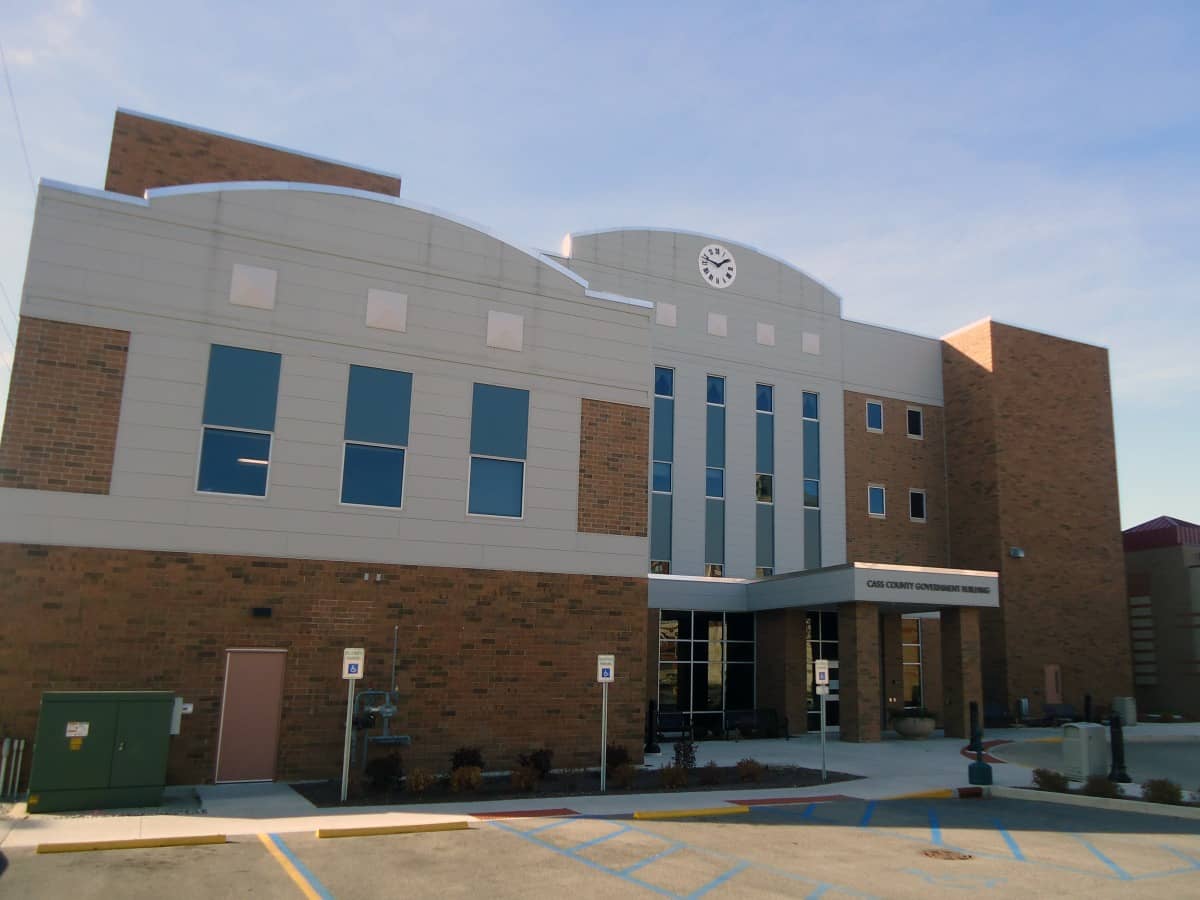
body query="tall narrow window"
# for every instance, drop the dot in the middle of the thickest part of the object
(812, 479)
(376, 437)
(914, 682)
(239, 421)
(877, 500)
(764, 480)
(874, 415)
(499, 442)
(714, 478)
(916, 505)
(916, 422)
(662, 478)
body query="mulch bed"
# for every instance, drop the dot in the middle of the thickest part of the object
(566, 784)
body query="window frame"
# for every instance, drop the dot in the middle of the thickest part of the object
(709, 566)
(883, 494)
(908, 422)
(924, 494)
(724, 388)
(496, 516)
(472, 456)
(671, 369)
(707, 495)
(200, 459)
(869, 404)
(654, 464)
(660, 562)
(403, 476)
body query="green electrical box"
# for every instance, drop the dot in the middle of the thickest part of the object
(100, 749)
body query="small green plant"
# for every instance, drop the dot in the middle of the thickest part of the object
(616, 755)
(467, 757)
(1049, 780)
(419, 781)
(466, 778)
(624, 775)
(673, 777)
(383, 773)
(1162, 790)
(525, 778)
(685, 754)
(1099, 786)
(750, 770)
(542, 760)
(710, 774)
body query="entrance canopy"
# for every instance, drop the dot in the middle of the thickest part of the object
(897, 589)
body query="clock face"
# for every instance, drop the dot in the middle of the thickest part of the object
(717, 266)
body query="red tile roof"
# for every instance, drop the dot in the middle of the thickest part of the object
(1164, 531)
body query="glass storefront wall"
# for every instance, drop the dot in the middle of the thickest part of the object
(706, 665)
(822, 643)
(914, 693)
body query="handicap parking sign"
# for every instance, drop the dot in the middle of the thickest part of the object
(353, 668)
(606, 666)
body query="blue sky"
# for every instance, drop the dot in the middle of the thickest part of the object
(934, 163)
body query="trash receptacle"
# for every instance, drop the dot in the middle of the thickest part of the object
(1084, 750)
(1126, 708)
(100, 749)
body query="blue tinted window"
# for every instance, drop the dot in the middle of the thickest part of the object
(660, 526)
(242, 388)
(812, 540)
(764, 455)
(377, 405)
(715, 438)
(812, 449)
(764, 398)
(764, 542)
(496, 487)
(662, 477)
(664, 381)
(500, 421)
(714, 483)
(716, 389)
(812, 493)
(373, 476)
(874, 416)
(811, 405)
(876, 501)
(714, 531)
(234, 462)
(664, 428)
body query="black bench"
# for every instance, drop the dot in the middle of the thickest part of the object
(1058, 714)
(675, 723)
(757, 723)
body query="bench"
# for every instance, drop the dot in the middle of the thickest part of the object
(1058, 714)
(996, 715)
(759, 723)
(677, 723)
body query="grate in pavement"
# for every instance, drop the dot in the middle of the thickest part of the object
(945, 854)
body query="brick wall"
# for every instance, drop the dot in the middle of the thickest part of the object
(614, 443)
(1031, 464)
(899, 463)
(502, 660)
(64, 402)
(148, 153)
(782, 668)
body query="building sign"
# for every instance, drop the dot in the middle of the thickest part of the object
(921, 586)
(892, 584)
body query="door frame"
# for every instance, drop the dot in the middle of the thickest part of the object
(221, 724)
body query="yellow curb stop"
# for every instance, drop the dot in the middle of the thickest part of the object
(368, 831)
(131, 843)
(691, 813)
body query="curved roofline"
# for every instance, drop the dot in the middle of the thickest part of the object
(264, 144)
(571, 235)
(217, 187)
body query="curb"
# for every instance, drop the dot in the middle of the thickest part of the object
(1134, 806)
(962, 793)
(371, 830)
(690, 813)
(130, 844)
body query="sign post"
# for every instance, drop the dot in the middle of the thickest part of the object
(606, 673)
(821, 677)
(352, 671)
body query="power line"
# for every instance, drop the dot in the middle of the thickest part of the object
(8, 303)
(20, 132)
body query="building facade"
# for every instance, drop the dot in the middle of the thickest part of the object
(263, 409)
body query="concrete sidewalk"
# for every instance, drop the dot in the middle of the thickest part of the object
(890, 768)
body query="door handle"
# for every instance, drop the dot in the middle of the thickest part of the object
(120, 745)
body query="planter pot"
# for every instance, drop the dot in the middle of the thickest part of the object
(912, 727)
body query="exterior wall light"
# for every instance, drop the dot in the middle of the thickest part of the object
(1016, 552)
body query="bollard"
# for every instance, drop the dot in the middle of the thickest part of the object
(652, 728)
(1118, 774)
(17, 769)
(4, 765)
(978, 772)
(976, 744)
(1087, 707)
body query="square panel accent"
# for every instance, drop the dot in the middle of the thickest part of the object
(811, 343)
(387, 310)
(665, 313)
(765, 334)
(253, 286)
(718, 324)
(505, 331)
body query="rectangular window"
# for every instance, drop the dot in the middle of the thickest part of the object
(660, 567)
(664, 382)
(714, 570)
(913, 680)
(378, 403)
(763, 571)
(916, 423)
(916, 505)
(714, 476)
(811, 405)
(240, 398)
(662, 478)
(874, 415)
(714, 484)
(811, 451)
(662, 470)
(499, 443)
(812, 493)
(764, 488)
(716, 390)
(764, 398)
(877, 500)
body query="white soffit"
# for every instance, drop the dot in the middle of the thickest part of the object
(387, 309)
(718, 324)
(253, 286)
(765, 334)
(505, 331)
(665, 314)
(811, 343)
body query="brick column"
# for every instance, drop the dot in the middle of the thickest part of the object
(962, 679)
(858, 672)
(782, 669)
(893, 661)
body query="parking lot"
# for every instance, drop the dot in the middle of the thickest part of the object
(851, 848)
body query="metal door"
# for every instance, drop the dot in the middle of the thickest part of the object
(248, 741)
(141, 743)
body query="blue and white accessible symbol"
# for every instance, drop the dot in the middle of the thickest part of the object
(606, 668)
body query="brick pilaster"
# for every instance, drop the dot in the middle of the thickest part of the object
(961, 676)
(859, 676)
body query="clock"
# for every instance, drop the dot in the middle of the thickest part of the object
(717, 266)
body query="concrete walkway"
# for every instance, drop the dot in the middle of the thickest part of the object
(890, 768)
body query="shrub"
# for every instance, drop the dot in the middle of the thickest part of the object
(541, 760)
(383, 773)
(750, 770)
(616, 755)
(685, 754)
(673, 776)
(1099, 786)
(419, 781)
(710, 774)
(1049, 780)
(467, 757)
(466, 778)
(1162, 790)
(525, 778)
(624, 775)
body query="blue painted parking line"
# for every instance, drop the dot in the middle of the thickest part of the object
(1121, 873)
(718, 881)
(1187, 858)
(935, 828)
(867, 813)
(600, 840)
(542, 828)
(1010, 840)
(674, 848)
